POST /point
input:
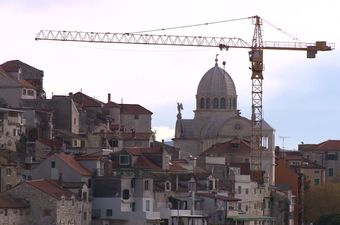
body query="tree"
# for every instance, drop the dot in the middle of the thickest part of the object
(322, 200)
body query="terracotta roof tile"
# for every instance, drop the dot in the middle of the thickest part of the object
(7, 201)
(133, 109)
(50, 187)
(50, 143)
(139, 151)
(71, 162)
(330, 145)
(232, 146)
(135, 136)
(143, 162)
(86, 101)
(176, 166)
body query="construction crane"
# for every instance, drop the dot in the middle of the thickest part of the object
(255, 56)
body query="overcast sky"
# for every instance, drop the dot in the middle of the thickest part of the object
(301, 96)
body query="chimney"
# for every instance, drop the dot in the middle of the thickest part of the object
(70, 94)
(108, 97)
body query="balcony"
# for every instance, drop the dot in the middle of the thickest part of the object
(152, 215)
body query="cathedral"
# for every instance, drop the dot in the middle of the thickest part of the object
(218, 120)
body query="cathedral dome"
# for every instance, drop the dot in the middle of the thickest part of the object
(216, 82)
(216, 92)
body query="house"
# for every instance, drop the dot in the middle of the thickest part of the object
(14, 89)
(50, 203)
(325, 154)
(14, 210)
(63, 167)
(28, 73)
(11, 127)
(10, 169)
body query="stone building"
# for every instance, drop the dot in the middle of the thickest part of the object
(12, 125)
(49, 203)
(13, 211)
(217, 120)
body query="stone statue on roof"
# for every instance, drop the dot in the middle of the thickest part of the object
(179, 109)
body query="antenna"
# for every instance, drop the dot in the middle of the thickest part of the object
(283, 141)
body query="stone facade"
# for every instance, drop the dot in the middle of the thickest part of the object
(47, 209)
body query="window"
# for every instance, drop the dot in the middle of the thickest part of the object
(109, 212)
(52, 164)
(239, 189)
(6, 212)
(239, 206)
(136, 116)
(8, 171)
(124, 160)
(85, 216)
(30, 92)
(75, 121)
(75, 143)
(330, 172)
(316, 171)
(14, 132)
(215, 103)
(133, 183)
(222, 103)
(316, 181)
(89, 183)
(147, 205)
(146, 185)
(167, 186)
(23, 91)
(133, 206)
(202, 103)
(331, 156)
(84, 196)
(234, 103)
(247, 191)
(210, 185)
(72, 201)
(246, 207)
(8, 186)
(126, 194)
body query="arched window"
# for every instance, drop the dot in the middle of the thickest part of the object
(229, 103)
(208, 103)
(234, 103)
(222, 103)
(215, 103)
(202, 103)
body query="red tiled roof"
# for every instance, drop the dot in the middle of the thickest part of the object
(111, 105)
(7, 201)
(244, 167)
(86, 101)
(71, 162)
(88, 157)
(227, 147)
(330, 145)
(14, 65)
(139, 151)
(133, 109)
(50, 187)
(143, 162)
(135, 136)
(24, 83)
(176, 166)
(50, 143)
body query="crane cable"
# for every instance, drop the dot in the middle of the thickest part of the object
(188, 26)
(281, 30)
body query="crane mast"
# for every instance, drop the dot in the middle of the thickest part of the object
(255, 56)
(256, 59)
